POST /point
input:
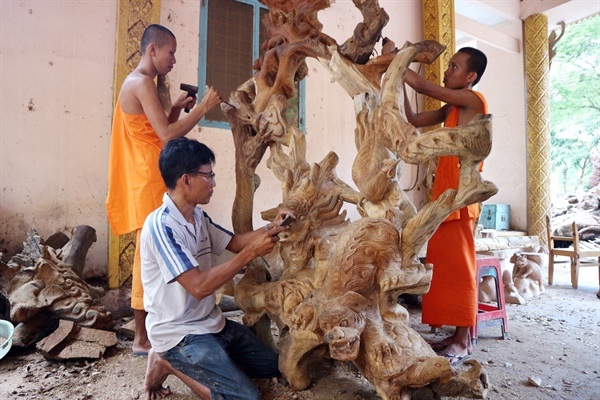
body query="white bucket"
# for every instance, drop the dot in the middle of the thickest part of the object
(6, 332)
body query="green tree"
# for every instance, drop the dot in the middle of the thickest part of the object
(575, 103)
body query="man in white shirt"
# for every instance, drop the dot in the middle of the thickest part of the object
(190, 337)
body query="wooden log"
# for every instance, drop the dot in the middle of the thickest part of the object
(74, 252)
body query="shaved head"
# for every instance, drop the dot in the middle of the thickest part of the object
(156, 34)
(476, 63)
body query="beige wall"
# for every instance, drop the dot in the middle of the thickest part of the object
(59, 57)
(504, 88)
(503, 85)
(56, 70)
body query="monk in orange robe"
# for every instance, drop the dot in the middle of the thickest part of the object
(452, 298)
(140, 128)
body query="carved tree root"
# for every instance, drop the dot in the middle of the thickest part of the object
(473, 383)
(339, 278)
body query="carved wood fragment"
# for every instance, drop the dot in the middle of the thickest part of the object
(72, 342)
(42, 288)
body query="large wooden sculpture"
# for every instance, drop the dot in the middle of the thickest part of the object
(339, 281)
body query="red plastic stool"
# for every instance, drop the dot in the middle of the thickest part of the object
(488, 314)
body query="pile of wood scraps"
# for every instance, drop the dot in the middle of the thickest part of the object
(49, 301)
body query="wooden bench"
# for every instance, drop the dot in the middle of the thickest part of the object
(581, 253)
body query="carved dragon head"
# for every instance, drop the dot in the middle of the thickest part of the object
(342, 322)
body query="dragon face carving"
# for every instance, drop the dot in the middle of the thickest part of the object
(342, 323)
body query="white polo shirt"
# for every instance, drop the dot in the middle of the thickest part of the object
(169, 246)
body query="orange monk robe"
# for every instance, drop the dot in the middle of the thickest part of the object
(135, 186)
(452, 298)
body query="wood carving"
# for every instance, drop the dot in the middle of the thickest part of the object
(41, 287)
(334, 284)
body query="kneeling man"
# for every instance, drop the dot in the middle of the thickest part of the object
(190, 337)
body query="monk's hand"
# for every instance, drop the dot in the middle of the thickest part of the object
(210, 99)
(185, 101)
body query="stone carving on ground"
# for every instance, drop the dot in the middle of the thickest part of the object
(333, 286)
(524, 282)
(527, 278)
(527, 274)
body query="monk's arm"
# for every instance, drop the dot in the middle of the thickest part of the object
(166, 129)
(456, 97)
(425, 118)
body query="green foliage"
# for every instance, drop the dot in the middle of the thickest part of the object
(575, 103)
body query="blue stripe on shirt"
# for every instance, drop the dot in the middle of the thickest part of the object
(170, 250)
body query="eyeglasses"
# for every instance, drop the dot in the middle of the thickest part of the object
(209, 176)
